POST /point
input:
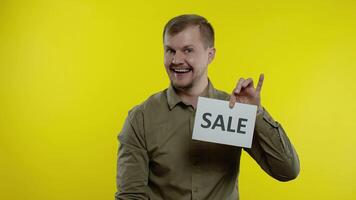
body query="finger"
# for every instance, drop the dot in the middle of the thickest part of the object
(238, 87)
(260, 82)
(236, 91)
(232, 100)
(247, 82)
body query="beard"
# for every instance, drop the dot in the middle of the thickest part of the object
(182, 87)
(179, 80)
(185, 81)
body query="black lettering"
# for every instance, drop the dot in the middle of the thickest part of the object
(239, 125)
(229, 125)
(208, 122)
(219, 122)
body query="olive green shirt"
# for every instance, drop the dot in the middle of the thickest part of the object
(158, 159)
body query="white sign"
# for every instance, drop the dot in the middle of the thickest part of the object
(216, 122)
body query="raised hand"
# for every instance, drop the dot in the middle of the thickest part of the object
(246, 93)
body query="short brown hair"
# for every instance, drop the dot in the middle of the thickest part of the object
(179, 23)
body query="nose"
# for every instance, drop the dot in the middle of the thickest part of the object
(178, 58)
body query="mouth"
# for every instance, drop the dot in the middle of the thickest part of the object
(181, 70)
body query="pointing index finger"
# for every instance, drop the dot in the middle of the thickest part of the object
(260, 82)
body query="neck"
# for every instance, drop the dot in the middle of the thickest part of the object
(190, 96)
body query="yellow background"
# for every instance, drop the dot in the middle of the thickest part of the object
(71, 69)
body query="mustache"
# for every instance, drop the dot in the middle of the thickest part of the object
(173, 66)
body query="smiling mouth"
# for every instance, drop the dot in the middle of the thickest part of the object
(181, 70)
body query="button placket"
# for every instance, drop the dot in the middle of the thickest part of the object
(194, 158)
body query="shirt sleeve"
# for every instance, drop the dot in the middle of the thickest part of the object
(272, 150)
(132, 164)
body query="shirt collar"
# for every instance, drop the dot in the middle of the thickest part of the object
(173, 99)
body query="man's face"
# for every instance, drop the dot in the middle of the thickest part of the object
(186, 59)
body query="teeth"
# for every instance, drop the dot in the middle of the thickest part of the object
(181, 70)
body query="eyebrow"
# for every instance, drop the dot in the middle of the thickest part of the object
(184, 47)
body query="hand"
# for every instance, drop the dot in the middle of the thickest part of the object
(246, 93)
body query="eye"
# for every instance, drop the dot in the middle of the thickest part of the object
(168, 50)
(188, 50)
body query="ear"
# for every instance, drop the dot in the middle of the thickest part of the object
(211, 54)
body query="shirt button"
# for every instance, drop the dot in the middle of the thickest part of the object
(195, 163)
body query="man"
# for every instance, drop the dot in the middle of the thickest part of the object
(157, 158)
